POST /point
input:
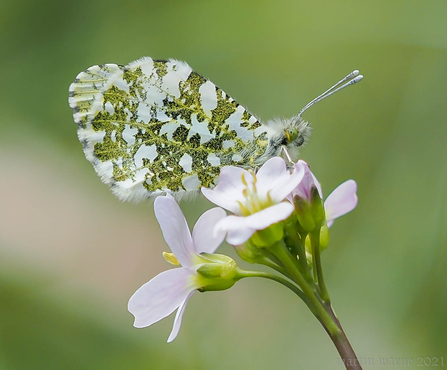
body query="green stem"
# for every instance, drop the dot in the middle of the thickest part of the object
(316, 306)
(275, 267)
(245, 273)
(318, 270)
(323, 312)
(345, 350)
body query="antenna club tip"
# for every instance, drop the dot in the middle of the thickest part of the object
(355, 72)
(358, 78)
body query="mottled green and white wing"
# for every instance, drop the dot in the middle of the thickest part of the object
(156, 127)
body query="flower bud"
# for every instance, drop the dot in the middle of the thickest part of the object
(324, 241)
(248, 251)
(269, 236)
(324, 236)
(303, 213)
(219, 274)
(317, 207)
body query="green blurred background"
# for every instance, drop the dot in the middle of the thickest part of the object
(71, 254)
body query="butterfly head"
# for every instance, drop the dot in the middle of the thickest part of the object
(287, 134)
(297, 133)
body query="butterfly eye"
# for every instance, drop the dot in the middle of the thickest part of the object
(291, 135)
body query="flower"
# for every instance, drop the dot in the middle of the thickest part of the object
(172, 289)
(309, 180)
(256, 200)
(341, 201)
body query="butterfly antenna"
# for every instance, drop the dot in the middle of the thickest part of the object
(352, 78)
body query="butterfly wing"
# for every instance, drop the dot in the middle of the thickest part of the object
(157, 126)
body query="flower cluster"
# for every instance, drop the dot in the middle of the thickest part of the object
(278, 218)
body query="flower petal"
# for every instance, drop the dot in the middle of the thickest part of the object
(240, 229)
(238, 232)
(269, 216)
(160, 296)
(175, 229)
(275, 178)
(341, 201)
(203, 235)
(307, 182)
(229, 190)
(274, 167)
(178, 318)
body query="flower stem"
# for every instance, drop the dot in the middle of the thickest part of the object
(267, 261)
(316, 254)
(321, 309)
(279, 279)
(316, 306)
(345, 350)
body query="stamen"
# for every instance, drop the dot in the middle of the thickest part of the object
(269, 198)
(255, 199)
(244, 210)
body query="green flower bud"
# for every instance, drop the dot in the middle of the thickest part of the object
(269, 236)
(292, 237)
(219, 274)
(248, 251)
(317, 207)
(324, 236)
(303, 213)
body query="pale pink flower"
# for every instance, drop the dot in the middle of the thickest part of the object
(171, 289)
(341, 201)
(256, 200)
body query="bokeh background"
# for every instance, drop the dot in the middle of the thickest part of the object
(71, 254)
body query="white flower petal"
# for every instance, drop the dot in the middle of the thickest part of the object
(240, 229)
(178, 318)
(341, 201)
(239, 236)
(238, 232)
(271, 169)
(175, 229)
(229, 190)
(203, 235)
(160, 296)
(269, 216)
(275, 178)
(285, 184)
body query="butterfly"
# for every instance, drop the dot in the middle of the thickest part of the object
(156, 126)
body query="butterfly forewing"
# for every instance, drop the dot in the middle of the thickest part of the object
(157, 126)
